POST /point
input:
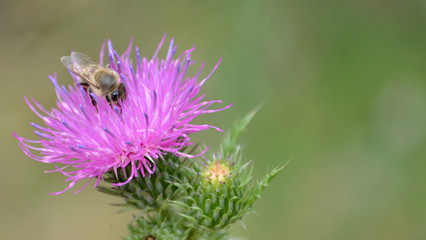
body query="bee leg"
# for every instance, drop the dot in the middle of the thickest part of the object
(85, 85)
(89, 90)
(119, 107)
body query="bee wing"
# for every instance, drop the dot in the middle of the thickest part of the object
(66, 61)
(82, 65)
(81, 60)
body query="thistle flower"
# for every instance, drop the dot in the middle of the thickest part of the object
(87, 140)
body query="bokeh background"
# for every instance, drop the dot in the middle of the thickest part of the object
(344, 90)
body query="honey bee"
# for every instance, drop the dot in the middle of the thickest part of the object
(95, 78)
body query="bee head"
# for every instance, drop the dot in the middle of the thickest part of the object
(117, 94)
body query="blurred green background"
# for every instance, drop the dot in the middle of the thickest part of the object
(344, 87)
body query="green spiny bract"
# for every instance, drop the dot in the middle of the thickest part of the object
(152, 193)
(157, 228)
(172, 228)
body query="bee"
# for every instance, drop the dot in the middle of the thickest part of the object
(94, 77)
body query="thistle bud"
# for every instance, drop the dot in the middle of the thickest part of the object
(217, 172)
(222, 189)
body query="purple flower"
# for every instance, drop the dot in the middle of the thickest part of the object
(87, 140)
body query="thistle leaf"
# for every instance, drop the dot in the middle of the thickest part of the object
(229, 142)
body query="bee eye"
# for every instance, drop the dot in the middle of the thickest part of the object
(114, 95)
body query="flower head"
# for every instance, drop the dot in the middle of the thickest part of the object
(87, 140)
(217, 171)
